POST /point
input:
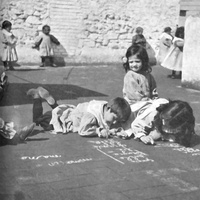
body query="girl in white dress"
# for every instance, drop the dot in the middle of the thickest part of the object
(9, 42)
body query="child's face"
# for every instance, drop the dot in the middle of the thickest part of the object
(46, 30)
(109, 117)
(140, 32)
(135, 64)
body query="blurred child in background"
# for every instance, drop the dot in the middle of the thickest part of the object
(44, 42)
(9, 42)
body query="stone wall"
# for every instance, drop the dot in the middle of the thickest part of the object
(89, 30)
(191, 58)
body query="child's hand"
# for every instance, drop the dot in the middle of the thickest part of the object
(147, 139)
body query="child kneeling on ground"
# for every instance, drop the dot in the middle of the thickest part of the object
(171, 121)
(93, 118)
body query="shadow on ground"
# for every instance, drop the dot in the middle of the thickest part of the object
(16, 93)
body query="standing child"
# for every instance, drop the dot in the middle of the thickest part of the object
(139, 84)
(173, 60)
(44, 42)
(139, 38)
(93, 118)
(165, 42)
(9, 42)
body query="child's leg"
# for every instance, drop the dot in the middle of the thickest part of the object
(37, 110)
(38, 117)
(51, 59)
(10, 64)
(42, 61)
(173, 74)
(5, 64)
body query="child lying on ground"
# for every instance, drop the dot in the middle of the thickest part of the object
(161, 119)
(8, 135)
(93, 118)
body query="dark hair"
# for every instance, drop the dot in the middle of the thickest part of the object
(6, 24)
(120, 107)
(180, 32)
(139, 29)
(141, 53)
(45, 26)
(176, 118)
(167, 29)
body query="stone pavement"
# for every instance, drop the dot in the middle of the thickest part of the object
(69, 167)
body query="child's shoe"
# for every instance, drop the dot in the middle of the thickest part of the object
(44, 94)
(53, 65)
(33, 93)
(42, 65)
(26, 131)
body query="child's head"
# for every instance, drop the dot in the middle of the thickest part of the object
(139, 30)
(46, 29)
(117, 110)
(7, 25)
(176, 121)
(137, 59)
(167, 30)
(180, 32)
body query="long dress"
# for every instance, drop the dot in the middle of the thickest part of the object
(45, 44)
(9, 42)
(165, 42)
(173, 60)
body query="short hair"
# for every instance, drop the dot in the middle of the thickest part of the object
(139, 29)
(6, 24)
(45, 26)
(176, 118)
(120, 107)
(167, 29)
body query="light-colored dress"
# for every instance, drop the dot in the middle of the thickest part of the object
(173, 60)
(139, 87)
(45, 44)
(142, 116)
(86, 118)
(9, 43)
(165, 42)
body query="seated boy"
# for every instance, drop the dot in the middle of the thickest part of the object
(93, 118)
(8, 135)
(161, 119)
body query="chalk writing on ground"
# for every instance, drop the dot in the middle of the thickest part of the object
(82, 160)
(120, 152)
(39, 157)
(177, 147)
(164, 176)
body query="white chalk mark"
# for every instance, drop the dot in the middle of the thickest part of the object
(110, 156)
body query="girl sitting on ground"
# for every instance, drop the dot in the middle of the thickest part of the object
(139, 84)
